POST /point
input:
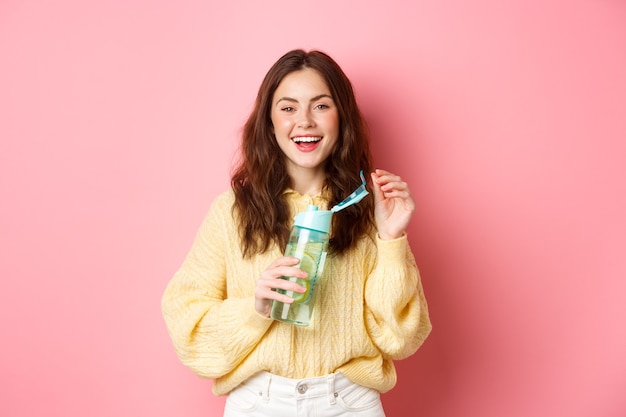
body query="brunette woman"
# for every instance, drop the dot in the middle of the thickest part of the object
(304, 143)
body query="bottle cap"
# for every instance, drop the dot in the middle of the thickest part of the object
(314, 218)
(356, 196)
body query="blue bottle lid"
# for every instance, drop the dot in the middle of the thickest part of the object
(314, 218)
(356, 196)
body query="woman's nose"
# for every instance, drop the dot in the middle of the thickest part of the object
(305, 120)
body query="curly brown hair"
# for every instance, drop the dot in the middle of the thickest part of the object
(260, 177)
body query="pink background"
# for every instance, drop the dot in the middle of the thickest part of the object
(118, 124)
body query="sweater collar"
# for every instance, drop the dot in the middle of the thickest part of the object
(301, 201)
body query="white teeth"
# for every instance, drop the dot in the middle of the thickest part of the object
(307, 139)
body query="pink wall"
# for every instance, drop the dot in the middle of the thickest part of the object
(118, 122)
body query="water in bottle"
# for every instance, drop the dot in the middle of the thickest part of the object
(308, 241)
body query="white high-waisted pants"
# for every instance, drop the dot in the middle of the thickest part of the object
(334, 395)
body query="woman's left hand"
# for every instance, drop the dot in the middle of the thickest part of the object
(393, 204)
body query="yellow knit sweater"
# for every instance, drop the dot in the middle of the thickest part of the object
(370, 310)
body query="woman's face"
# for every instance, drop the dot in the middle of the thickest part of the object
(305, 121)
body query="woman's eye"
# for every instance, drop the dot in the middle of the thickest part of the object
(288, 109)
(322, 107)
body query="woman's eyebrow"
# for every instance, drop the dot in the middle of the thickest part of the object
(312, 99)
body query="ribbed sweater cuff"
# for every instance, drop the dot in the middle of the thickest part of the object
(254, 319)
(393, 250)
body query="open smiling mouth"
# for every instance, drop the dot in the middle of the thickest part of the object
(306, 140)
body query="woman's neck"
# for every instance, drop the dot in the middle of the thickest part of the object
(308, 181)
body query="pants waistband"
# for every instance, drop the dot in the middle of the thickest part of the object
(267, 385)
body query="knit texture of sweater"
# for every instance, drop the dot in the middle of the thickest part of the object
(370, 309)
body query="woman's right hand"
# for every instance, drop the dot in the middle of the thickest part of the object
(271, 279)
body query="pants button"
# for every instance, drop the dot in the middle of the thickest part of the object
(302, 388)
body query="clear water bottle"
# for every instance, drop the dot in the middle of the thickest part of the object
(308, 241)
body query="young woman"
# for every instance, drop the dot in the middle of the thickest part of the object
(304, 143)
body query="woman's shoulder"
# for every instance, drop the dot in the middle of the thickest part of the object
(225, 198)
(220, 212)
(221, 205)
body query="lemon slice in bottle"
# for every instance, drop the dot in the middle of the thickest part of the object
(308, 264)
